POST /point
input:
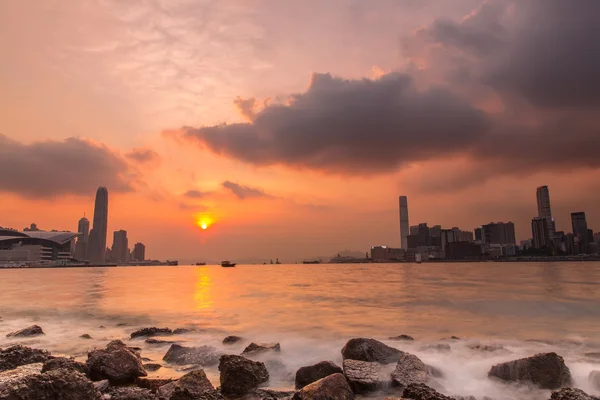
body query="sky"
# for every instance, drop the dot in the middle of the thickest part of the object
(291, 128)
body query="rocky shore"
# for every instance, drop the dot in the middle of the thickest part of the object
(119, 371)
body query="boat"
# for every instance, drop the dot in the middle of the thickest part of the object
(226, 264)
(201, 263)
(311, 262)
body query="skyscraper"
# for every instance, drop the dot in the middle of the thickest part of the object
(97, 239)
(580, 231)
(404, 229)
(120, 247)
(139, 252)
(544, 210)
(83, 227)
(539, 231)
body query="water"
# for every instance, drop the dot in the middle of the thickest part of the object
(312, 310)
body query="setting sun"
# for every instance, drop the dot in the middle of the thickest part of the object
(204, 221)
(203, 225)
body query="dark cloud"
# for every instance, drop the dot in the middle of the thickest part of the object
(243, 192)
(195, 194)
(51, 168)
(142, 155)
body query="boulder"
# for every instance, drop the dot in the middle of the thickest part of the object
(181, 331)
(193, 385)
(547, 370)
(153, 331)
(130, 393)
(153, 383)
(439, 347)
(231, 339)
(152, 367)
(451, 338)
(18, 355)
(307, 375)
(420, 391)
(180, 355)
(11, 375)
(366, 377)
(571, 394)
(85, 336)
(60, 384)
(66, 363)
(410, 370)
(488, 348)
(332, 387)
(594, 379)
(158, 341)
(33, 330)
(370, 350)
(239, 375)
(256, 348)
(118, 364)
(401, 337)
(267, 394)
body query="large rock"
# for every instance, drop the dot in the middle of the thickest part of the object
(66, 363)
(20, 372)
(370, 350)
(193, 385)
(240, 375)
(420, 391)
(332, 387)
(257, 348)
(410, 369)
(267, 394)
(231, 339)
(158, 341)
(60, 384)
(130, 393)
(402, 337)
(203, 355)
(594, 379)
(153, 331)
(18, 355)
(571, 394)
(547, 370)
(33, 330)
(152, 367)
(153, 383)
(307, 375)
(117, 363)
(488, 348)
(366, 377)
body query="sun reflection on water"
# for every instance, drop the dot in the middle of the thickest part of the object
(202, 294)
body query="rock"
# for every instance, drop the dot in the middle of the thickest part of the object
(130, 393)
(117, 363)
(60, 384)
(66, 363)
(451, 338)
(12, 375)
(592, 355)
(332, 387)
(571, 394)
(158, 341)
(102, 386)
(435, 372)
(152, 367)
(487, 348)
(255, 348)
(231, 339)
(366, 377)
(33, 330)
(204, 355)
(402, 337)
(153, 383)
(240, 375)
(85, 336)
(370, 350)
(594, 379)
(307, 375)
(547, 370)
(267, 394)
(439, 347)
(420, 391)
(409, 370)
(193, 385)
(18, 355)
(181, 331)
(151, 332)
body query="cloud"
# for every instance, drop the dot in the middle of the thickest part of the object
(143, 156)
(244, 192)
(195, 194)
(52, 168)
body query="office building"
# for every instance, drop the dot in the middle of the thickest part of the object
(463, 250)
(478, 234)
(580, 231)
(120, 248)
(414, 230)
(498, 233)
(465, 236)
(447, 236)
(404, 227)
(539, 230)
(83, 228)
(544, 210)
(139, 252)
(386, 254)
(35, 245)
(97, 239)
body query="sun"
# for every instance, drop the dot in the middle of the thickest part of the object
(203, 225)
(204, 221)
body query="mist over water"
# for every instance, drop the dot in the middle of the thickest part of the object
(312, 310)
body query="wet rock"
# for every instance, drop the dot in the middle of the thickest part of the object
(370, 350)
(439, 347)
(256, 348)
(204, 355)
(153, 331)
(366, 377)
(85, 336)
(240, 376)
(410, 370)
(402, 337)
(267, 394)
(153, 383)
(152, 367)
(33, 330)
(19, 372)
(435, 372)
(231, 339)
(18, 355)
(451, 338)
(181, 331)
(130, 393)
(158, 341)
(118, 364)
(194, 385)
(420, 391)
(102, 386)
(594, 379)
(547, 370)
(66, 363)
(60, 384)
(487, 348)
(571, 394)
(332, 387)
(307, 375)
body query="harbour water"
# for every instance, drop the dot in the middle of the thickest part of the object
(312, 310)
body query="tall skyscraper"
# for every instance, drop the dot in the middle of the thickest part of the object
(498, 233)
(539, 231)
(544, 210)
(120, 247)
(404, 229)
(139, 252)
(83, 227)
(97, 239)
(580, 231)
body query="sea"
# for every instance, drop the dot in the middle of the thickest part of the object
(312, 310)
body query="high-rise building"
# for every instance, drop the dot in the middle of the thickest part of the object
(580, 231)
(139, 252)
(414, 229)
(544, 210)
(97, 239)
(120, 247)
(404, 229)
(539, 230)
(498, 233)
(479, 234)
(83, 228)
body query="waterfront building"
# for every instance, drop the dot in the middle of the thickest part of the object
(83, 228)
(120, 248)
(580, 231)
(498, 233)
(97, 238)
(36, 245)
(404, 227)
(139, 252)
(539, 230)
(386, 254)
(544, 210)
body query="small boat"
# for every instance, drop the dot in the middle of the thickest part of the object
(311, 262)
(226, 264)
(201, 263)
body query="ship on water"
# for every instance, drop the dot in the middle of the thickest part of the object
(227, 264)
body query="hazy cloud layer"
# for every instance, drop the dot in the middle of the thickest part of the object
(244, 192)
(195, 194)
(143, 156)
(53, 168)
